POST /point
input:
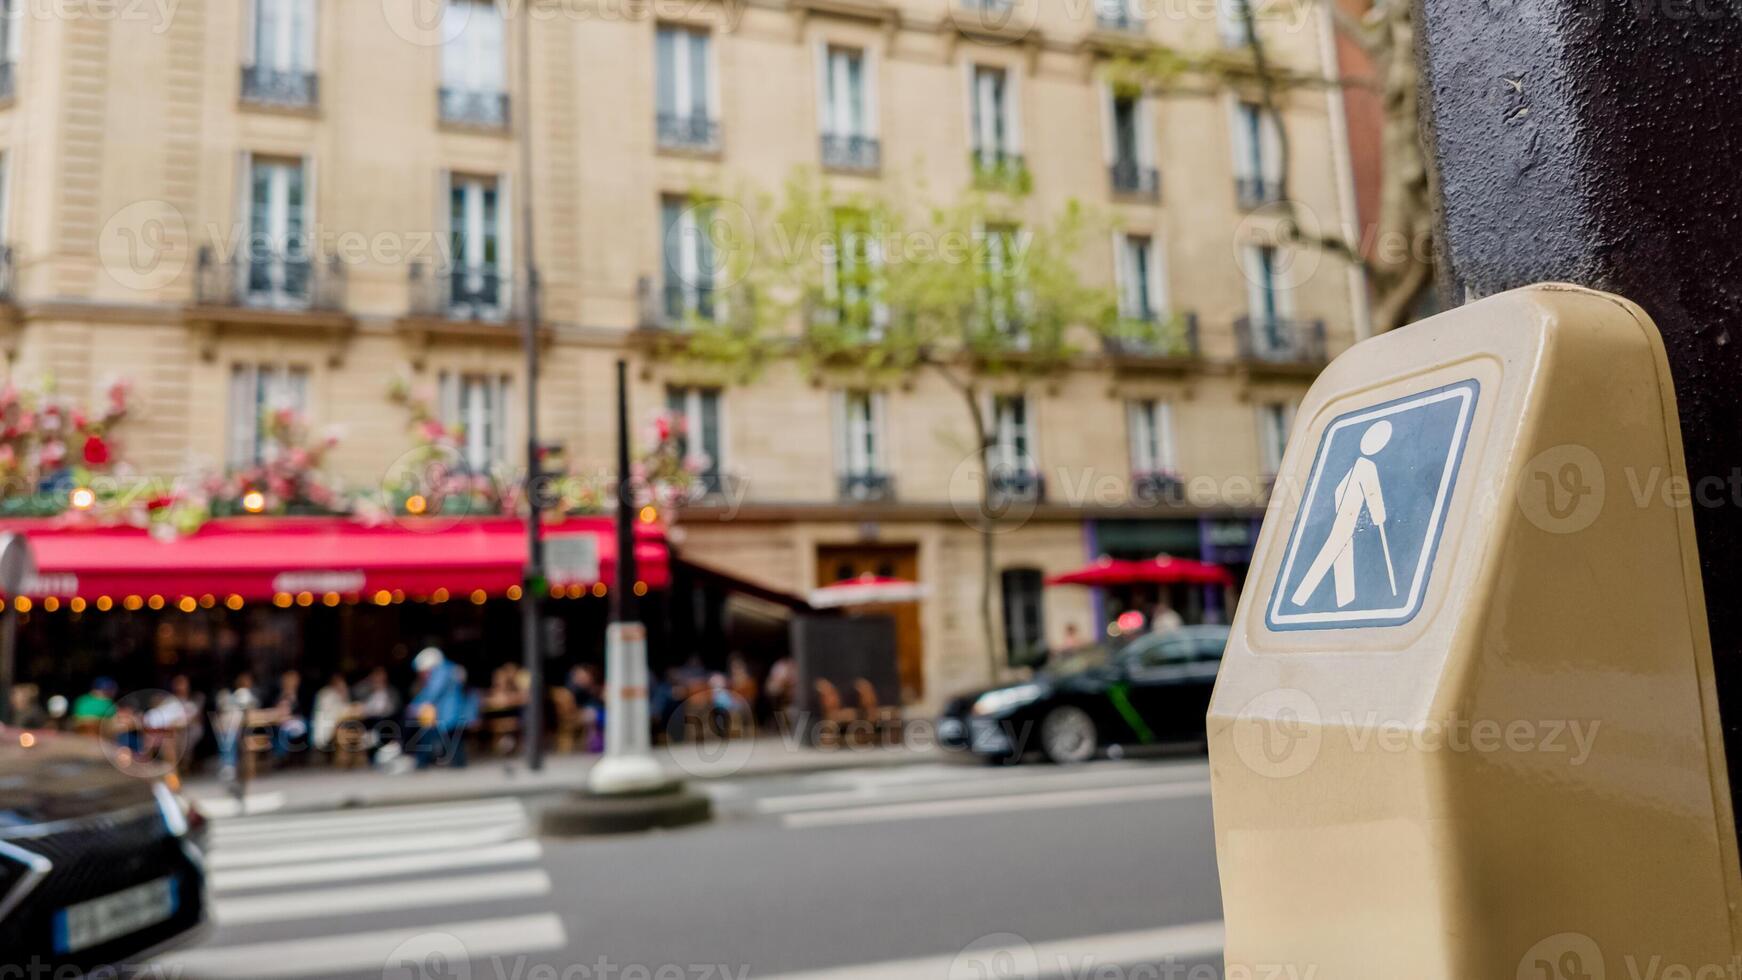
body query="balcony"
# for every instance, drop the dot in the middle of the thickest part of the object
(1157, 487)
(997, 169)
(1281, 342)
(1149, 337)
(8, 74)
(8, 275)
(867, 486)
(1256, 192)
(481, 110)
(280, 88)
(1014, 483)
(859, 154)
(263, 281)
(694, 133)
(1123, 21)
(1134, 180)
(478, 293)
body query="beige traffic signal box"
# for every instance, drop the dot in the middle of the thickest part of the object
(1466, 726)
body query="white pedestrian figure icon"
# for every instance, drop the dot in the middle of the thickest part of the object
(1358, 490)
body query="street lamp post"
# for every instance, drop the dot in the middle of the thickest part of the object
(533, 581)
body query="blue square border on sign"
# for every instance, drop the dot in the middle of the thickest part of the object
(1466, 394)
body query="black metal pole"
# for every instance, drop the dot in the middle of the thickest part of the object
(1596, 143)
(8, 659)
(623, 605)
(533, 582)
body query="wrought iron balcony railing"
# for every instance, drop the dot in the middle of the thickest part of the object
(288, 88)
(999, 168)
(466, 107)
(481, 292)
(1157, 487)
(1118, 20)
(868, 485)
(1017, 483)
(691, 132)
(1255, 192)
(264, 280)
(1281, 340)
(844, 152)
(1149, 334)
(1132, 179)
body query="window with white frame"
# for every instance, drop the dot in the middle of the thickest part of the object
(1129, 141)
(1024, 623)
(853, 275)
(276, 267)
(1275, 418)
(1231, 22)
(1002, 296)
(994, 116)
(702, 439)
(688, 250)
(687, 101)
(1013, 435)
(859, 445)
(281, 38)
(1141, 291)
(1257, 153)
(1117, 15)
(1149, 422)
(1268, 298)
(259, 392)
(476, 406)
(11, 39)
(847, 108)
(478, 283)
(474, 63)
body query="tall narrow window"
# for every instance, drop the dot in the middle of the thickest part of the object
(848, 110)
(1257, 151)
(275, 268)
(1131, 144)
(688, 117)
(1012, 448)
(478, 279)
(477, 406)
(281, 68)
(689, 260)
(474, 88)
(1150, 422)
(702, 441)
(852, 275)
(1001, 283)
(1024, 623)
(1266, 300)
(1139, 278)
(860, 439)
(257, 393)
(11, 43)
(996, 130)
(1274, 421)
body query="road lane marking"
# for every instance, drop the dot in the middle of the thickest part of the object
(253, 879)
(927, 791)
(368, 951)
(363, 819)
(318, 830)
(1082, 957)
(261, 855)
(992, 804)
(423, 893)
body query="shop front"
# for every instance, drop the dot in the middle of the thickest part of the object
(1222, 539)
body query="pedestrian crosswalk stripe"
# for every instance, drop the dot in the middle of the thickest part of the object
(969, 806)
(1002, 784)
(351, 899)
(279, 876)
(369, 951)
(261, 854)
(1088, 956)
(316, 830)
(248, 827)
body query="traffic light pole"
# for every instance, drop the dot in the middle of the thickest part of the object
(1596, 143)
(533, 581)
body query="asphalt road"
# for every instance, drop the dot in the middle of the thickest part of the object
(932, 871)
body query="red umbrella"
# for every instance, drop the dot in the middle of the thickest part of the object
(866, 590)
(1161, 570)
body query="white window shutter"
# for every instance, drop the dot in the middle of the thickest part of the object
(1146, 149)
(1108, 140)
(1239, 140)
(505, 234)
(1166, 458)
(843, 433)
(1158, 296)
(872, 121)
(307, 33)
(825, 104)
(244, 422)
(1013, 109)
(880, 448)
(1270, 137)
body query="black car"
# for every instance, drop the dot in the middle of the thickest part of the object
(97, 867)
(1152, 689)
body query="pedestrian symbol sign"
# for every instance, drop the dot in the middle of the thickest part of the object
(1370, 519)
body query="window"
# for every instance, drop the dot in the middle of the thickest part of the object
(993, 116)
(702, 441)
(257, 391)
(859, 438)
(1267, 298)
(474, 89)
(1013, 440)
(1130, 143)
(847, 109)
(1116, 15)
(1231, 22)
(476, 405)
(688, 113)
(478, 278)
(1150, 424)
(852, 275)
(275, 270)
(689, 260)
(1001, 282)
(1274, 421)
(1140, 287)
(281, 53)
(1257, 151)
(1024, 623)
(11, 43)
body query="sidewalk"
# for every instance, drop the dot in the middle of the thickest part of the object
(318, 789)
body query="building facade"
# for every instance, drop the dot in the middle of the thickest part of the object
(243, 205)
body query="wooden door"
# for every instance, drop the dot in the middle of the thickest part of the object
(837, 563)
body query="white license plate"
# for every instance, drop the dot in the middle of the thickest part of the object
(87, 924)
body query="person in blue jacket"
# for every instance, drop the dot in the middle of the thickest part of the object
(440, 710)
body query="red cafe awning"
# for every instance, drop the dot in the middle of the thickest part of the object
(1162, 570)
(258, 558)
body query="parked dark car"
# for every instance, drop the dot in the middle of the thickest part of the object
(97, 867)
(1153, 689)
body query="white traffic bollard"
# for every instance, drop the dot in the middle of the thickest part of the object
(628, 765)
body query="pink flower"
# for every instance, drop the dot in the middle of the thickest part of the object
(54, 452)
(96, 451)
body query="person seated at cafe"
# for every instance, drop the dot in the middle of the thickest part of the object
(27, 710)
(97, 704)
(332, 706)
(234, 706)
(289, 718)
(379, 702)
(438, 713)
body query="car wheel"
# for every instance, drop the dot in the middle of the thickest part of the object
(1067, 735)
